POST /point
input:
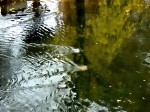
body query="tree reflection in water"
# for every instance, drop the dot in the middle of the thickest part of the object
(113, 36)
(102, 37)
(38, 30)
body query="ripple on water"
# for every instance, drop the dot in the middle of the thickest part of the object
(32, 73)
(36, 75)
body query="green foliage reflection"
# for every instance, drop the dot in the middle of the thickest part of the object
(112, 79)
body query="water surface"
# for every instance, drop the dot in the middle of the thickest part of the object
(79, 55)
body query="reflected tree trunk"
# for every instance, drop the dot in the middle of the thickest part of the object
(32, 34)
(3, 10)
(38, 30)
(80, 27)
(36, 4)
(81, 58)
(86, 78)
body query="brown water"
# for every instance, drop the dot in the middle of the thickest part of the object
(75, 56)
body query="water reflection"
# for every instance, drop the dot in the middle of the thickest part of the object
(38, 31)
(12, 6)
(113, 68)
(36, 73)
(29, 69)
(113, 81)
(111, 37)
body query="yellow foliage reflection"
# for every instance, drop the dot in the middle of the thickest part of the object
(100, 31)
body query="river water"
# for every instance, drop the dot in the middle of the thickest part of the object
(75, 56)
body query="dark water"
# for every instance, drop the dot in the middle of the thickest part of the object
(75, 56)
